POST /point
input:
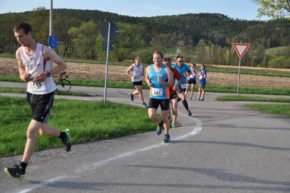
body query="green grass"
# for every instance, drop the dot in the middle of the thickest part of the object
(252, 98)
(209, 88)
(260, 72)
(276, 109)
(23, 90)
(88, 120)
(248, 90)
(277, 50)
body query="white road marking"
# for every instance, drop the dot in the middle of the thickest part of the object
(197, 129)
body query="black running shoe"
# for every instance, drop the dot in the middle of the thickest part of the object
(159, 128)
(15, 172)
(132, 96)
(189, 113)
(67, 140)
(166, 138)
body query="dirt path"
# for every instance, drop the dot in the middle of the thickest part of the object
(8, 66)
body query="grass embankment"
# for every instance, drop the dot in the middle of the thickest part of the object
(253, 98)
(23, 90)
(209, 88)
(276, 109)
(88, 120)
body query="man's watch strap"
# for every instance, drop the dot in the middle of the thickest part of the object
(48, 74)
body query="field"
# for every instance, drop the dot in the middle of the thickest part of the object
(79, 71)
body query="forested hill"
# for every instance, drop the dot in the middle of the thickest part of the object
(161, 32)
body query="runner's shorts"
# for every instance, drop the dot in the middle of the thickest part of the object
(202, 83)
(173, 95)
(137, 83)
(154, 103)
(40, 106)
(191, 81)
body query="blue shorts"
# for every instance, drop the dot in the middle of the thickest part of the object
(202, 83)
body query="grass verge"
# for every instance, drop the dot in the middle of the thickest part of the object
(253, 98)
(88, 120)
(209, 88)
(23, 90)
(276, 109)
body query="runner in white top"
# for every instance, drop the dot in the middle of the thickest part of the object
(191, 80)
(36, 70)
(136, 71)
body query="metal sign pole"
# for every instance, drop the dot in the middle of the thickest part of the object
(107, 58)
(50, 18)
(238, 84)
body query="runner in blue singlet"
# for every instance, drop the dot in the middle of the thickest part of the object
(202, 83)
(184, 70)
(159, 79)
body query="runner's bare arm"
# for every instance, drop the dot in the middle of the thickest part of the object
(51, 55)
(60, 64)
(169, 75)
(22, 72)
(129, 70)
(147, 76)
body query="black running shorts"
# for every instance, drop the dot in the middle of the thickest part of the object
(154, 103)
(40, 106)
(137, 83)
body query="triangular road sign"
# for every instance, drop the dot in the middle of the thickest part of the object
(241, 49)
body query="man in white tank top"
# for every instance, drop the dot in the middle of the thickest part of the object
(35, 67)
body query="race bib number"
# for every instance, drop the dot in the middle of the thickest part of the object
(192, 76)
(157, 92)
(183, 86)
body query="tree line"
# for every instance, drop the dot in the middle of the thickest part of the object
(201, 38)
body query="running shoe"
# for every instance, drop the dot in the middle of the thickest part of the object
(145, 105)
(159, 128)
(132, 96)
(166, 138)
(189, 113)
(15, 172)
(173, 125)
(67, 139)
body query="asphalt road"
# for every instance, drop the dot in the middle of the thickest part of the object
(222, 148)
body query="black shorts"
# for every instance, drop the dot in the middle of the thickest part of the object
(180, 89)
(154, 103)
(173, 96)
(40, 106)
(191, 81)
(137, 83)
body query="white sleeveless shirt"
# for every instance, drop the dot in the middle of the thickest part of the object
(137, 71)
(34, 65)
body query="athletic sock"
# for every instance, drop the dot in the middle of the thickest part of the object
(185, 104)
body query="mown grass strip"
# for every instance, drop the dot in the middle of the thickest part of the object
(276, 109)
(252, 98)
(88, 120)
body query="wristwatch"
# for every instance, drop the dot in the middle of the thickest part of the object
(48, 74)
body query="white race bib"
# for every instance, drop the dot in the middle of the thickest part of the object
(157, 92)
(192, 76)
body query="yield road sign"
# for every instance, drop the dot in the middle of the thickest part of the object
(241, 49)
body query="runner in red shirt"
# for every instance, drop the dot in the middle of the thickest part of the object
(173, 94)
